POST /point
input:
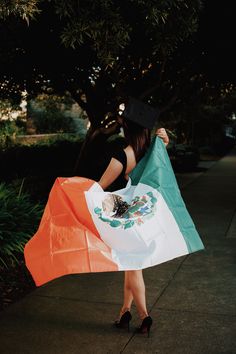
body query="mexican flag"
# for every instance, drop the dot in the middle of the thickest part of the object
(85, 229)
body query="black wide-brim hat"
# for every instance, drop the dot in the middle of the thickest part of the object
(140, 113)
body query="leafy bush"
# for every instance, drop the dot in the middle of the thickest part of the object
(19, 218)
(52, 122)
(41, 159)
(8, 131)
(54, 114)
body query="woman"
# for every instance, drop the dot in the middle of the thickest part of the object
(122, 163)
(84, 229)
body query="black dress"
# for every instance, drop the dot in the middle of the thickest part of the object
(120, 155)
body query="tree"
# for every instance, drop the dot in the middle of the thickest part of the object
(108, 54)
(101, 51)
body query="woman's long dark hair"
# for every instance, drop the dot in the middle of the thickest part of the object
(138, 137)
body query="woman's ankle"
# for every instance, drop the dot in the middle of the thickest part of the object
(124, 309)
(143, 315)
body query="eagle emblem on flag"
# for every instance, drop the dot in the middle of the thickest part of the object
(119, 213)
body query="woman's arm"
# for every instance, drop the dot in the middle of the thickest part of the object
(161, 132)
(113, 171)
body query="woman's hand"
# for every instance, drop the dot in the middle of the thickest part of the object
(161, 132)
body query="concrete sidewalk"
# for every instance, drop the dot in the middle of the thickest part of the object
(192, 299)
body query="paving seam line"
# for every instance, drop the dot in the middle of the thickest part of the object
(162, 309)
(232, 224)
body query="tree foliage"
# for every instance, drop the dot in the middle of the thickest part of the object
(100, 51)
(26, 9)
(53, 114)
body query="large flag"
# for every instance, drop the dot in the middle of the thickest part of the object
(85, 229)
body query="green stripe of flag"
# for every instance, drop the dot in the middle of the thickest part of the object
(156, 171)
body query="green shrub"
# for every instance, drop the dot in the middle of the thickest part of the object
(54, 114)
(42, 159)
(52, 122)
(8, 131)
(19, 219)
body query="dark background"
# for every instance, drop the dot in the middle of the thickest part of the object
(216, 40)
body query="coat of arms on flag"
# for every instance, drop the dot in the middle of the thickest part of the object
(119, 213)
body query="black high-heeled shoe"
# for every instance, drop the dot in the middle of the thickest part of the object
(124, 321)
(145, 325)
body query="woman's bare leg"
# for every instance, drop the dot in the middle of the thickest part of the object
(135, 284)
(134, 289)
(128, 296)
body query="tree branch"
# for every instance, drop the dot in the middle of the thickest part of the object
(152, 89)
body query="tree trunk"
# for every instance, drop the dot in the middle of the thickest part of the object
(92, 158)
(94, 154)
